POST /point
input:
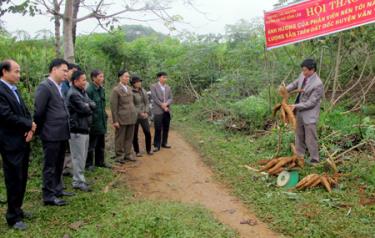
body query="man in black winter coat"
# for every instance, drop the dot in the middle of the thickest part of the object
(81, 108)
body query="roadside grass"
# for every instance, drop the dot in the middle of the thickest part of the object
(311, 213)
(114, 213)
(158, 219)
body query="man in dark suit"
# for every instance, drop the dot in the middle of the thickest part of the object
(16, 131)
(52, 117)
(161, 101)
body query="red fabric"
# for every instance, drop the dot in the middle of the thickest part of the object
(314, 18)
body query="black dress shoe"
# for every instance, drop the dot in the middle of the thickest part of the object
(20, 225)
(91, 168)
(105, 165)
(131, 159)
(83, 187)
(65, 194)
(314, 163)
(120, 161)
(166, 146)
(67, 174)
(55, 202)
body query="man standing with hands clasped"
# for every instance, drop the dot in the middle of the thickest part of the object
(162, 99)
(307, 108)
(124, 117)
(16, 131)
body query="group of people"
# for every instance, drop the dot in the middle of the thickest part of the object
(68, 112)
(130, 109)
(71, 114)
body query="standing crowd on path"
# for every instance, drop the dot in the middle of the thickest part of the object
(70, 115)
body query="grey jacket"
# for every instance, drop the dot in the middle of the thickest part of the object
(51, 114)
(141, 102)
(158, 98)
(309, 106)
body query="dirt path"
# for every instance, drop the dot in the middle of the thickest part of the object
(178, 174)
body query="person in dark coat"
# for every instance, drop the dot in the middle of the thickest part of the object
(81, 108)
(96, 93)
(16, 131)
(52, 117)
(65, 86)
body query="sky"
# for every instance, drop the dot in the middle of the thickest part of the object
(211, 17)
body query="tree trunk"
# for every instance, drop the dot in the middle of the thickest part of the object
(337, 70)
(75, 15)
(57, 29)
(68, 31)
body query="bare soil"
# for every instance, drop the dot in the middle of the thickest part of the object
(178, 174)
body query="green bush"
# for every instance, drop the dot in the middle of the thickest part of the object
(254, 110)
(368, 109)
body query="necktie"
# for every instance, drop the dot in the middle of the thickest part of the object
(302, 87)
(164, 94)
(17, 94)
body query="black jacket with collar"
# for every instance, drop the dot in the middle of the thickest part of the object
(51, 114)
(15, 120)
(80, 108)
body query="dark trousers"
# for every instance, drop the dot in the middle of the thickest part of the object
(161, 124)
(15, 166)
(146, 130)
(96, 148)
(54, 154)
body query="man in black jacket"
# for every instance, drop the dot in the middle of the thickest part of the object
(65, 86)
(16, 131)
(80, 108)
(52, 118)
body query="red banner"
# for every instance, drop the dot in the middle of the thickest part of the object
(310, 19)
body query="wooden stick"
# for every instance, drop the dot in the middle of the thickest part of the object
(347, 151)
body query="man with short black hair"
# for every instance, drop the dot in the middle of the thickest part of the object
(80, 109)
(52, 117)
(96, 92)
(161, 95)
(124, 117)
(65, 86)
(16, 131)
(307, 107)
